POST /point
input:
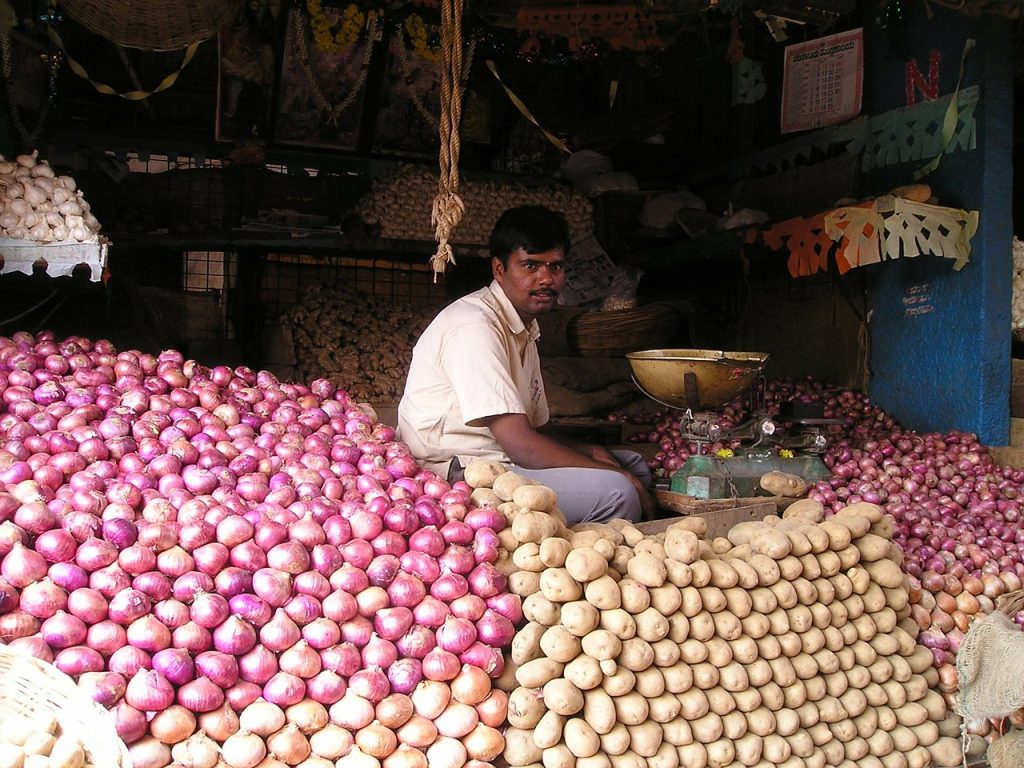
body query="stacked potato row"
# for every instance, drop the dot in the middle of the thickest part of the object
(787, 644)
(401, 204)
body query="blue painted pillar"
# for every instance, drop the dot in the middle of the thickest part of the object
(946, 365)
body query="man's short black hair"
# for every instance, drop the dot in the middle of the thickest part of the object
(533, 228)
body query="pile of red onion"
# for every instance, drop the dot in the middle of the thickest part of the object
(173, 534)
(957, 515)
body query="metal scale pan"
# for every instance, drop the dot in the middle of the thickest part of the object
(695, 379)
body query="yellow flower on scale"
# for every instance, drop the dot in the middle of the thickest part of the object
(417, 31)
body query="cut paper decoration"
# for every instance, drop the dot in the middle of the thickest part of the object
(883, 229)
(748, 84)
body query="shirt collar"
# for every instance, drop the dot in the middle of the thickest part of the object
(511, 317)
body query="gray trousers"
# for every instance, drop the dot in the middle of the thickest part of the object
(592, 495)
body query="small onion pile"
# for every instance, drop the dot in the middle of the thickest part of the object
(358, 341)
(399, 204)
(38, 742)
(41, 206)
(188, 541)
(788, 644)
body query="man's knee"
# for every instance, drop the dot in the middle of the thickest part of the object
(620, 501)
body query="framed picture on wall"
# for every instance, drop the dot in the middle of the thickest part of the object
(245, 74)
(410, 100)
(324, 68)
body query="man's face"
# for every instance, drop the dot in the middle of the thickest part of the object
(532, 281)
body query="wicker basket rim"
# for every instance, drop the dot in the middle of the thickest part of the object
(29, 686)
(153, 25)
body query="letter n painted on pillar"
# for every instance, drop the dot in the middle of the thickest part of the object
(915, 80)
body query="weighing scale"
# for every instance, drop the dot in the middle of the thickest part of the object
(695, 382)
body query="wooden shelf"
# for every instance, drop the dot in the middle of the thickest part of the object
(299, 242)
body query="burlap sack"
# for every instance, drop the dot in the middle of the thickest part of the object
(990, 663)
(1007, 751)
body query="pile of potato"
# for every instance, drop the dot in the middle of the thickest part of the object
(786, 644)
(401, 204)
(360, 342)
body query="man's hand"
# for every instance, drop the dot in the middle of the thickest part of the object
(647, 503)
(600, 453)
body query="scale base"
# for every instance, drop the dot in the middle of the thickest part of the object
(712, 477)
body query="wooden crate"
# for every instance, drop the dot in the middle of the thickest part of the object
(721, 514)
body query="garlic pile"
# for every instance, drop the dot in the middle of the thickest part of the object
(1017, 307)
(40, 206)
(401, 205)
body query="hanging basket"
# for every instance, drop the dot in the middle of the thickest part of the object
(614, 333)
(32, 688)
(153, 25)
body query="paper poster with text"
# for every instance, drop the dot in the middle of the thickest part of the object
(822, 81)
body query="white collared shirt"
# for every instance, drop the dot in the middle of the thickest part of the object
(476, 359)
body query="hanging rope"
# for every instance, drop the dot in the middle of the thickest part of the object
(448, 207)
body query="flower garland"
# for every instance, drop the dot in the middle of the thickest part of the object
(417, 31)
(352, 22)
(334, 111)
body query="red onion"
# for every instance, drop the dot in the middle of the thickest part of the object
(43, 599)
(127, 606)
(175, 664)
(105, 688)
(149, 691)
(440, 665)
(128, 660)
(455, 635)
(284, 689)
(235, 636)
(258, 665)
(220, 668)
(22, 566)
(63, 630)
(77, 660)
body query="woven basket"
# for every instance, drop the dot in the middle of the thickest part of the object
(610, 334)
(30, 687)
(153, 25)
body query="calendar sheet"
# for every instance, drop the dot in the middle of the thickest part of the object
(822, 81)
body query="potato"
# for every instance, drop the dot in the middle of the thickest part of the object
(534, 674)
(580, 738)
(525, 707)
(580, 617)
(681, 544)
(599, 710)
(537, 608)
(634, 596)
(646, 738)
(562, 696)
(558, 756)
(520, 749)
(539, 498)
(618, 622)
(647, 569)
(651, 625)
(534, 526)
(603, 593)
(553, 552)
(548, 732)
(559, 643)
(772, 543)
(616, 741)
(559, 587)
(631, 708)
(602, 644)
(619, 683)
(784, 484)
(583, 672)
(585, 564)
(636, 654)
(527, 557)
(484, 497)
(805, 509)
(482, 474)
(526, 643)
